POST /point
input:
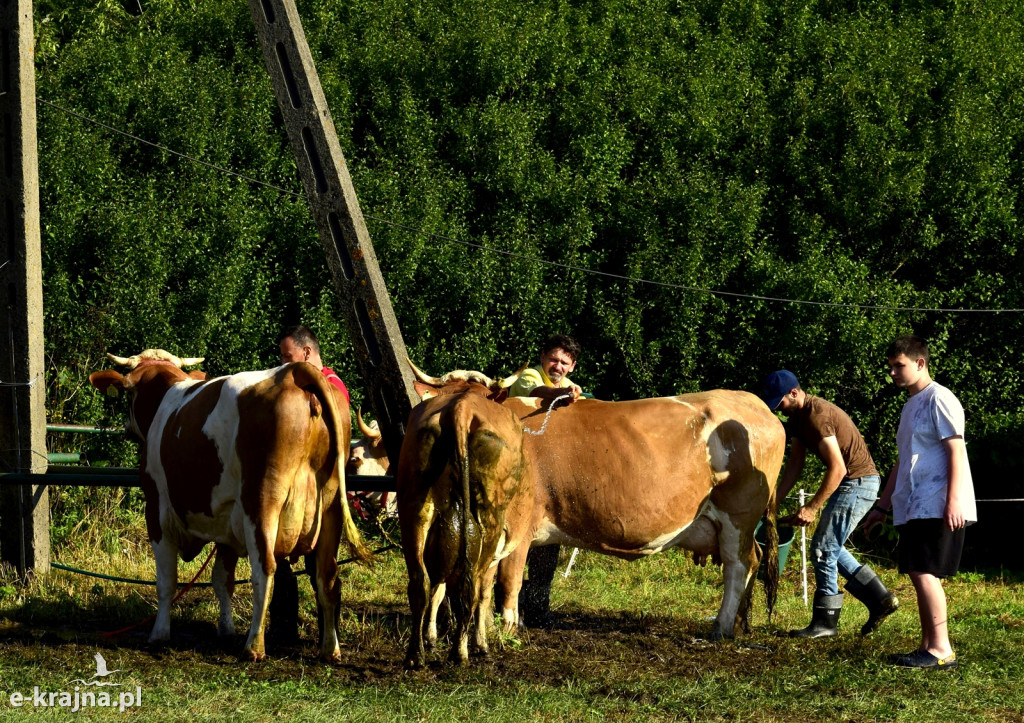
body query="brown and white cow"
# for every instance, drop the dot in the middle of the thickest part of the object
(248, 461)
(465, 498)
(369, 457)
(634, 478)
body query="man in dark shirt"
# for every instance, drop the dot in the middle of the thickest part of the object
(845, 495)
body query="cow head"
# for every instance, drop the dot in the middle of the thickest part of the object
(153, 368)
(368, 456)
(460, 380)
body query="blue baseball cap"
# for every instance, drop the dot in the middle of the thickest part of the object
(777, 385)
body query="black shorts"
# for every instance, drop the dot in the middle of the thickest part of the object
(928, 546)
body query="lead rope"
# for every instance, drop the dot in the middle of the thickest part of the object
(176, 597)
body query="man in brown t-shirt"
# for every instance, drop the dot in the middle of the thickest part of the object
(845, 495)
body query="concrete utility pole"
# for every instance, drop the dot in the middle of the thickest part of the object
(332, 199)
(25, 526)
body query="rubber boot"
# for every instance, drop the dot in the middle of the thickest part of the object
(866, 586)
(824, 617)
(284, 606)
(535, 595)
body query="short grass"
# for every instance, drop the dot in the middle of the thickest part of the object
(628, 645)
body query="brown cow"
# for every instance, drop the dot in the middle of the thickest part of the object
(634, 478)
(464, 502)
(249, 461)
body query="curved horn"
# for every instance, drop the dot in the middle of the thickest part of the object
(121, 361)
(172, 359)
(424, 377)
(366, 429)
(192, 360)
(509, 381)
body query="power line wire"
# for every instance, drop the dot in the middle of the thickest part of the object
(682, 287)
(556, 264)
(168, 150)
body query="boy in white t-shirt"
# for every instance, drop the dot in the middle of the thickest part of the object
(931, 495)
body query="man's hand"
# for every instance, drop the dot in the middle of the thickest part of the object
(566, 395)
(954, 514)
(801, 518)
(872, 520)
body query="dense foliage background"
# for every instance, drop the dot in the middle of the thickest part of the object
(631, 172)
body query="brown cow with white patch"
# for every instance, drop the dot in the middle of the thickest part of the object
(248, 461)
(464, 502)
(634, 478)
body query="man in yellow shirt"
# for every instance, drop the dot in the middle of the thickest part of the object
(547, 380)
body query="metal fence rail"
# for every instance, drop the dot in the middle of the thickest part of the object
(129, 477)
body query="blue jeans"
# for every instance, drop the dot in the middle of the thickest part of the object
(843, 511)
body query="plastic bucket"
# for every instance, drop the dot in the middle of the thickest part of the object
(786, 534)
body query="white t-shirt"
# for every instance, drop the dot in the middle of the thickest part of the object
(929, 417)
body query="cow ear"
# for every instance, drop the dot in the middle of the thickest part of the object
(196, 374)
(425, 391)
(108, 381)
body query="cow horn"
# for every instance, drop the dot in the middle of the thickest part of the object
(121, 361)
(366, 429)
(424, 377)
(509, 381)
(192, 360)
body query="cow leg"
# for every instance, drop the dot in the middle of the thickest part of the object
(430, 637)
(224, 586)
(166, 554)
(736, 571)
(510, 582)
(419, 593)
(485, 611)
(328, 588)
(264, 565)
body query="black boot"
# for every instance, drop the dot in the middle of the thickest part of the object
(535, 595)
(284, 606)
(824, 617)
(870, 590)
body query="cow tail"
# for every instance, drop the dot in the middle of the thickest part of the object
(771, 549)
(470, 528)
(332, 417)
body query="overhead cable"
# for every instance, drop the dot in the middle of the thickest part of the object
(556, 264)
(221, 169)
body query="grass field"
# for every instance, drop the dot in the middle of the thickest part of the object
(628, 645)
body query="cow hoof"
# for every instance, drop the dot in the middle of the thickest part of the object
(413, 663)
(333, 658)
(256, 656)
(225, 631)
(458, 657)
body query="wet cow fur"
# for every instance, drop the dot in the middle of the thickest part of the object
(464, 502)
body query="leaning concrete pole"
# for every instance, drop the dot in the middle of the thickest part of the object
(25, 510)
(332, 198)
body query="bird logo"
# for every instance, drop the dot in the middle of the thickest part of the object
(101, 672)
